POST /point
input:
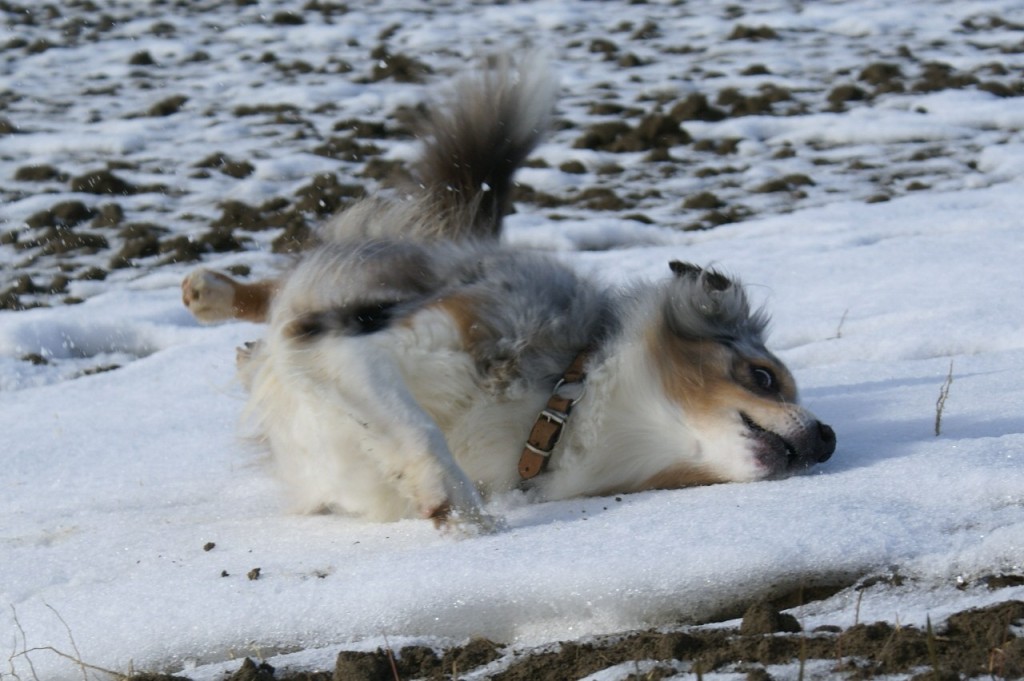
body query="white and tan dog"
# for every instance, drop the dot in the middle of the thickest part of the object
(408, 355)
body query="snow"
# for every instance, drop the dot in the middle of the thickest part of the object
(115, 483)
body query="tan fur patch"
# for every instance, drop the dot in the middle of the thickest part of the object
(462, 310)
(252, 301)
(699, 376)
(678, 476)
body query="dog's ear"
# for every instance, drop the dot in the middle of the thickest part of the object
(705, 304)
(683, 269)
(711, 279)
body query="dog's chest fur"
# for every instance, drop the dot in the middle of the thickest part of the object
(482, 360)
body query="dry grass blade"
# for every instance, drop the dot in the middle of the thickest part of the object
(940, 404)
(26, 653)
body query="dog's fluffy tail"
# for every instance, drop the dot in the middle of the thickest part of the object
(477, 140)
(474, 141)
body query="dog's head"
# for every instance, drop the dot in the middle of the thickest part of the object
(739, 400)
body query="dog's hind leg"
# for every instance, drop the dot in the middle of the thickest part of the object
(360, 376)
(213, 297)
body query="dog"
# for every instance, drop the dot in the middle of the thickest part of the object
(413, 366)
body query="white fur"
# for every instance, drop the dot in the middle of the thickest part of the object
(409, 354)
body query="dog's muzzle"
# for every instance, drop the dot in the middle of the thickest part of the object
(812, 444)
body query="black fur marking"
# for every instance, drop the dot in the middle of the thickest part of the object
(682, 269)
(367, 319)
(307, 327)
(352, 320)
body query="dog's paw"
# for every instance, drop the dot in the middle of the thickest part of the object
(247, 362)
(208, 295)
(463, 523)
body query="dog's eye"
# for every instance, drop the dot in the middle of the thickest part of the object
(763, 378)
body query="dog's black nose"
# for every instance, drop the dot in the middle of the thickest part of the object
(826, 443)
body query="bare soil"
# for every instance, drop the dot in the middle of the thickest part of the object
(981, 643)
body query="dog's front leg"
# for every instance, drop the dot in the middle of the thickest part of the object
(212, 297)
(401, 438)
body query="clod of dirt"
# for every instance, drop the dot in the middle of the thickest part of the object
(181, 248)
(143, 58)
(841, 94)
(59, 284)
(226, 165)
(109, 215)
(220, 240)
(696, 108)
(601, 198)
(253, 574)
(64, 241)
(358, 127)
(92, 274)
(399, 67)
(654, 131)
(1002, 90)
(1002, 581)
(214, 160)
(346, 149)
(23, 284)
(659, 130)
(102, 182)
(38, 173)
(287, 18)
(573, 168)
(245, 110)
(163, 29)
(630, 61)
(7, 127)
(476, 653)
(752, 105)
(391, 172)
(63, 214)
(704, 201)
(166, 107)
(602, 135)
(613, 109)
(296, 237)
(884, 76)
(237, 169)
(741, 32)
(937, 76)
(526, 194)
(240, 215)
(784, 184)
(143, 245)
(39, 46)
(727, 216)
(9, 300)
(101, 369)
(325, 195)
(722, 147)
(375, 666)
(250, 671)
(990, 629)
(763, 618)
(415, 662)
(603, 46)
(418, 662)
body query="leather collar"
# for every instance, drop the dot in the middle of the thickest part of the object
(550, 423)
